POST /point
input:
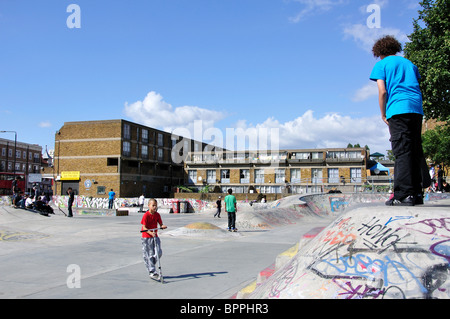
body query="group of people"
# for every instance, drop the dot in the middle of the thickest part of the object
(438, 183)
(36, 201)
(39, 203)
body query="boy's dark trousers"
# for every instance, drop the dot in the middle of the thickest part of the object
(231, 220)
(406, 141)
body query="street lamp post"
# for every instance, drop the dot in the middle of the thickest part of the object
(15, 148)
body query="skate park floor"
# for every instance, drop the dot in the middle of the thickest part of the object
(100, 257)
(43, 257)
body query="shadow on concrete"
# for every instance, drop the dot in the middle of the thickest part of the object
(169, 279)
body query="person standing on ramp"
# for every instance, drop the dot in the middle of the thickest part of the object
(230, 208)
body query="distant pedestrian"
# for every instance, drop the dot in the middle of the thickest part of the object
(219, 207)
(15, 188)
(440, 178)
(111, 196)
(230, 208)
(70, 202)
(141, 203)
(433, 177)
(400, 101)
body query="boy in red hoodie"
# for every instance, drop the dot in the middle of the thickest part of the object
(150, 222)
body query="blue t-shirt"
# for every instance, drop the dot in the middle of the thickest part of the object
(111, 195)
(402, 85)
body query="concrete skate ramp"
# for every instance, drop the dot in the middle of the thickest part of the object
(296, 209)
(370, 252)
(201, 229)
(335, 204)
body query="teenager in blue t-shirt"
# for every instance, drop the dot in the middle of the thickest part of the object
(400, 101)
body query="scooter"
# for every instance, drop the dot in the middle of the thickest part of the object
(161, 279)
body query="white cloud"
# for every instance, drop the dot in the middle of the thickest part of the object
(45, 124)
(331, 131)
(366, 92)
(153, 111)
(302, 132)
(314, 6)
(365, 37)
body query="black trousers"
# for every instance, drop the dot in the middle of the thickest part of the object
(406, 141)
(231, 220)
(69, 208)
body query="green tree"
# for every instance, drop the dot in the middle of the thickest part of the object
(429, 49)
(436, 145)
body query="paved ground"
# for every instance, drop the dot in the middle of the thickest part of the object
(39, 256)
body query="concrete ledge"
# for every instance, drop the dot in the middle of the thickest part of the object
(101, 212)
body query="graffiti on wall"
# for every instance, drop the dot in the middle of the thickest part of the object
(102, 203)
(373, 257)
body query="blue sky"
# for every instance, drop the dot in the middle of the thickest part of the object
(299, 66)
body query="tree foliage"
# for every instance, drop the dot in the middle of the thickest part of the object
(436, 145)
(429, 49)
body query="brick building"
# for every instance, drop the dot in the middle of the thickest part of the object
(25, 161)
(94, 157)
(286, 171)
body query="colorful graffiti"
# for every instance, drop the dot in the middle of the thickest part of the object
(193, 205)
(370, 253)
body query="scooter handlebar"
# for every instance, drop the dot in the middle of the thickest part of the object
(153, 229)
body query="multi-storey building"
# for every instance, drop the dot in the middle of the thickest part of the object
(18, 159)
(285, 171)
(94, 157)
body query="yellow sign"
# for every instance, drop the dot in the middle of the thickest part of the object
(70, 176)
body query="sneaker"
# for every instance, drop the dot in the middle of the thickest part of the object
(154, 275)
(407, 201)
(235, 230)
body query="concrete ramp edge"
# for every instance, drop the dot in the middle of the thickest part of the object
(368, 251)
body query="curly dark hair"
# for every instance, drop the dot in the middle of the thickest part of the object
(387, 45)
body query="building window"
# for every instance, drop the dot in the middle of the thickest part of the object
(259, 176)
(244, 176)
(355, 175)
(18, 154)
(192, 176)
(144, 136)
(160, 154)
(211, 176)
(160, 139)
(225, 176)
(126, 148)
(316, 175)
(280, 176)
(112, 161)
(126, 131)
(295, 175)
(144, 151)
(101, 190)
(333, 175)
